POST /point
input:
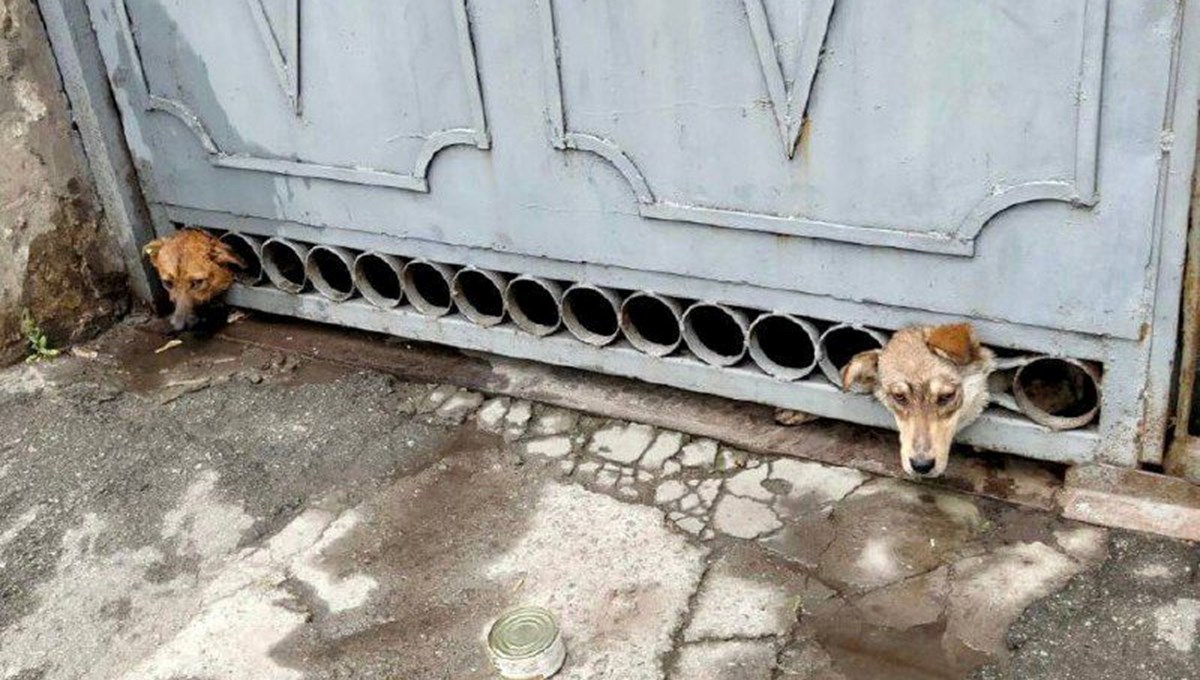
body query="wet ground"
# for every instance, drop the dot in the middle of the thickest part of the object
(220, 511)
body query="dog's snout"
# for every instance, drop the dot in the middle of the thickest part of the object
(923, 445)
(183, 318)
(181, 323)
(922, 466)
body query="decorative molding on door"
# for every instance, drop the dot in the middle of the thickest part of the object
(283, 46)
(285, 56)
(789, 109)
(790, 103)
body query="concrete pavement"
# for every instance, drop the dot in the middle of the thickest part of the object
(218, 511)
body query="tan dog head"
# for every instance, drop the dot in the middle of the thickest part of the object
(934, 381)
(194, 268)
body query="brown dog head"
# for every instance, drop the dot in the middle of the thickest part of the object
(934, 382)
(194, 268)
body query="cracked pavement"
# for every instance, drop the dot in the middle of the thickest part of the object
(222, 511)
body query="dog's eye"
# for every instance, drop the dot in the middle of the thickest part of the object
(198, 283)
(168, 283)
(900, 398)
(946, 398)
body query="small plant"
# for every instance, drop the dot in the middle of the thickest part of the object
(39, 344)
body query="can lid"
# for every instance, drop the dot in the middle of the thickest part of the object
(522, 633)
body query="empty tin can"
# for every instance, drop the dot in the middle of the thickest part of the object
(526, 644)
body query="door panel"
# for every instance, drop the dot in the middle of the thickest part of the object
(645, 136)
(1015, 163)
(925, 119)
(367, 95)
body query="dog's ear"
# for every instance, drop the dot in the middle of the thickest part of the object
(224, 255)
(151, 249)
(862, 371)
(954, 342)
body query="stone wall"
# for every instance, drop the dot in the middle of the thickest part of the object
(57, 258)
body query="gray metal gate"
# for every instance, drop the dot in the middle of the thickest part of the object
(728, 196)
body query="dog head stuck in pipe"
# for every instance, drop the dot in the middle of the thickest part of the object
(934, 381)
(195, 268)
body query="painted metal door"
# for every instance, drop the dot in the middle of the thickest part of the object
(1021, 164)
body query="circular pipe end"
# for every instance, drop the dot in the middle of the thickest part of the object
(378, 277)
(535, 304)
(841, 343)
(715, 333)
(283, 261)
(652, 323)
(1058, 393)
(785, 346)
(479, 295)
(427, 286)
(592, 314)
(249, 249)
(331, 270)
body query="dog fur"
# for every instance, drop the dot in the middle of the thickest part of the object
(934, 381)
(195, 268)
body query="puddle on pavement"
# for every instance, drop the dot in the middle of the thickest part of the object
(861, 650)
(135, 354)
(425, 620)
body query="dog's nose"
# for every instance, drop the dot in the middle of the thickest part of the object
(183, 322)
(922, 466)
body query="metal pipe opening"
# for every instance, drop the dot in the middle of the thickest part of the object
(331, 270)
(785, 346)
(377, 276)
(716, 333)
(249, 250)
(427, 285)
(1059, 393)
(652, 323)
(592, 314)
(479, 295)
(535, 304)
(283, 261)
(839, 344)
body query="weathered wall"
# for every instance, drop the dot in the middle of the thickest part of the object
(56, 256)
